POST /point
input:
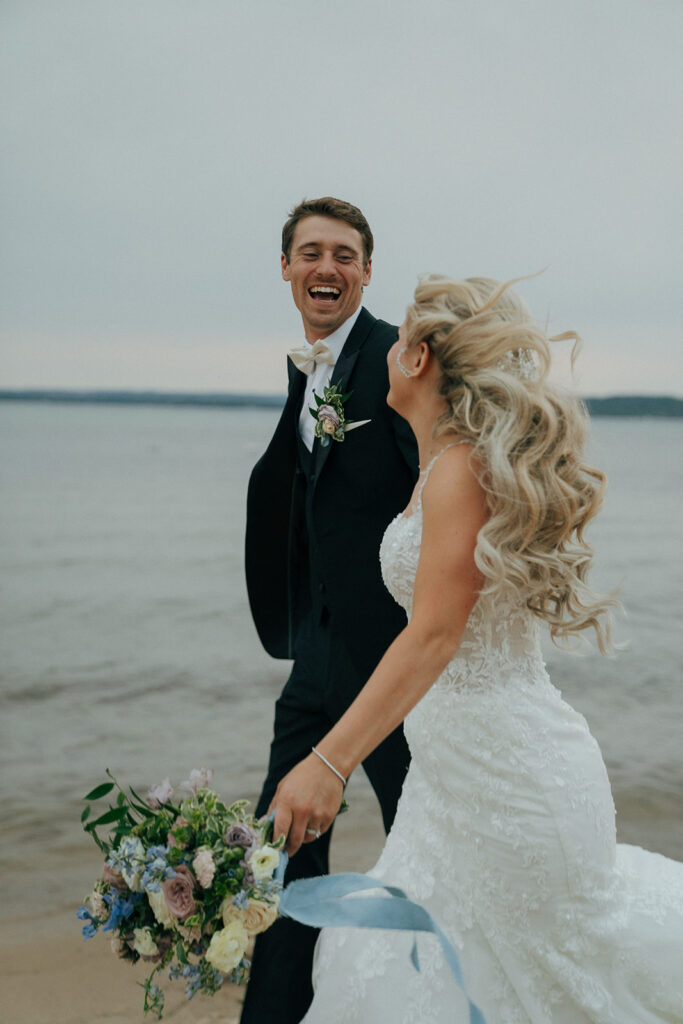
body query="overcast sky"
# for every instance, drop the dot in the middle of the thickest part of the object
(153, 149)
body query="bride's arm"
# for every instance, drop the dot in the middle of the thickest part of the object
(446, 588)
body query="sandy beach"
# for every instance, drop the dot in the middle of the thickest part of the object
(50, 976)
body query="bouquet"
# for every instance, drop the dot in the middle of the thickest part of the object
(185, 884)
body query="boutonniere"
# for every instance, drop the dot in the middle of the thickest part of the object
(330, 421)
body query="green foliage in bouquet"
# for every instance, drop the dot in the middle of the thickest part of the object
(184, 885)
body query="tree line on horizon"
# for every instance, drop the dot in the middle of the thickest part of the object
(612, 405)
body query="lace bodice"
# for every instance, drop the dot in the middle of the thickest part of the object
(502, 637)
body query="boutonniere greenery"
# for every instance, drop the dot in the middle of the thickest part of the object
(330, 422)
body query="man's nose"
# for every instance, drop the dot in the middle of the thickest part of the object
(327, 267)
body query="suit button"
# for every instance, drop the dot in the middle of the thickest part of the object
(321, 587)
(312, 477)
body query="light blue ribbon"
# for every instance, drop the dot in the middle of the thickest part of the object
(320, 903)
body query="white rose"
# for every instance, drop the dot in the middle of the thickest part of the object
(227, 947)
(157, 902)
(263, 862)
(256, 917)
(143, 942)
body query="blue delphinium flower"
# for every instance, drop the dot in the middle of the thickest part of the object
(129, 860)
(215, 979)
(237, 975)
(120, 908)
(241, 900)
(157, 869)
(269, 887)
(89, 929)
(193, 981)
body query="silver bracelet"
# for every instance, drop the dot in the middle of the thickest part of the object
(330, 766)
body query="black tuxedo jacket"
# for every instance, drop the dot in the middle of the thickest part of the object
(314, 526)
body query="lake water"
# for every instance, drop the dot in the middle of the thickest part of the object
(127, 640)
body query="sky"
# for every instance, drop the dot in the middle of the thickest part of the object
(152, 151)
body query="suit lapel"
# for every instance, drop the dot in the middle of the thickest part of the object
(341, 376)
(297, 381)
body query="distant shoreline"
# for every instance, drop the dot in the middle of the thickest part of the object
(218, 400)
(659, 406)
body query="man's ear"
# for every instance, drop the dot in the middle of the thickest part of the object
(367, 272)
(286, 276)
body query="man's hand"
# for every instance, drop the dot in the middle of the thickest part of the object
(306, 803)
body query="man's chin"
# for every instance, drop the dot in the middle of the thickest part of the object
(325, 320)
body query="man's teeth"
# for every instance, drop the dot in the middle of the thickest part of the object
(321, 289)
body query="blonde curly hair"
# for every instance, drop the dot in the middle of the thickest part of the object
(528, 437)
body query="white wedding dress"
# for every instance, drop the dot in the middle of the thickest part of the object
(505, 832)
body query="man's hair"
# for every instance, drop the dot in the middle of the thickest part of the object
(327, 206)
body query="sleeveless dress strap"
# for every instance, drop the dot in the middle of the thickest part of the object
(427, 470)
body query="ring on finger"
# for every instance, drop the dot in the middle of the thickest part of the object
(314, 832)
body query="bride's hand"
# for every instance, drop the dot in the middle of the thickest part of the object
(305, 803)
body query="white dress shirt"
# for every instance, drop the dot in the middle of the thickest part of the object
(321, 377)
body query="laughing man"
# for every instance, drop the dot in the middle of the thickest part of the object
(319, 501)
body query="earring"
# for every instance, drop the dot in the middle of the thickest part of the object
(404, 369)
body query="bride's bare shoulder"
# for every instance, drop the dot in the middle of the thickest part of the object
(454, 476)
(454, 500)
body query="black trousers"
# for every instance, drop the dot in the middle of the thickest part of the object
(280, 990)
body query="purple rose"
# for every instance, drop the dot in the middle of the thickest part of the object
(178, 892)
(328, 418)
(242, 835)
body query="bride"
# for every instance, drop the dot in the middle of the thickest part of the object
(505, 829)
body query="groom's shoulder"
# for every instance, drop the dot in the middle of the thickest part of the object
(380, 334)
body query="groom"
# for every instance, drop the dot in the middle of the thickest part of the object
(316, 513)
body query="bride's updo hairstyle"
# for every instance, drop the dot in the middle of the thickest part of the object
(528, 438)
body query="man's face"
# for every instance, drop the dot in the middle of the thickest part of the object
(326, 272)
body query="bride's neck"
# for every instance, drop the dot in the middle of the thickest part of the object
(422, 420)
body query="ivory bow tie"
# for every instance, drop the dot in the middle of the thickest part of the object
(308, 357)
